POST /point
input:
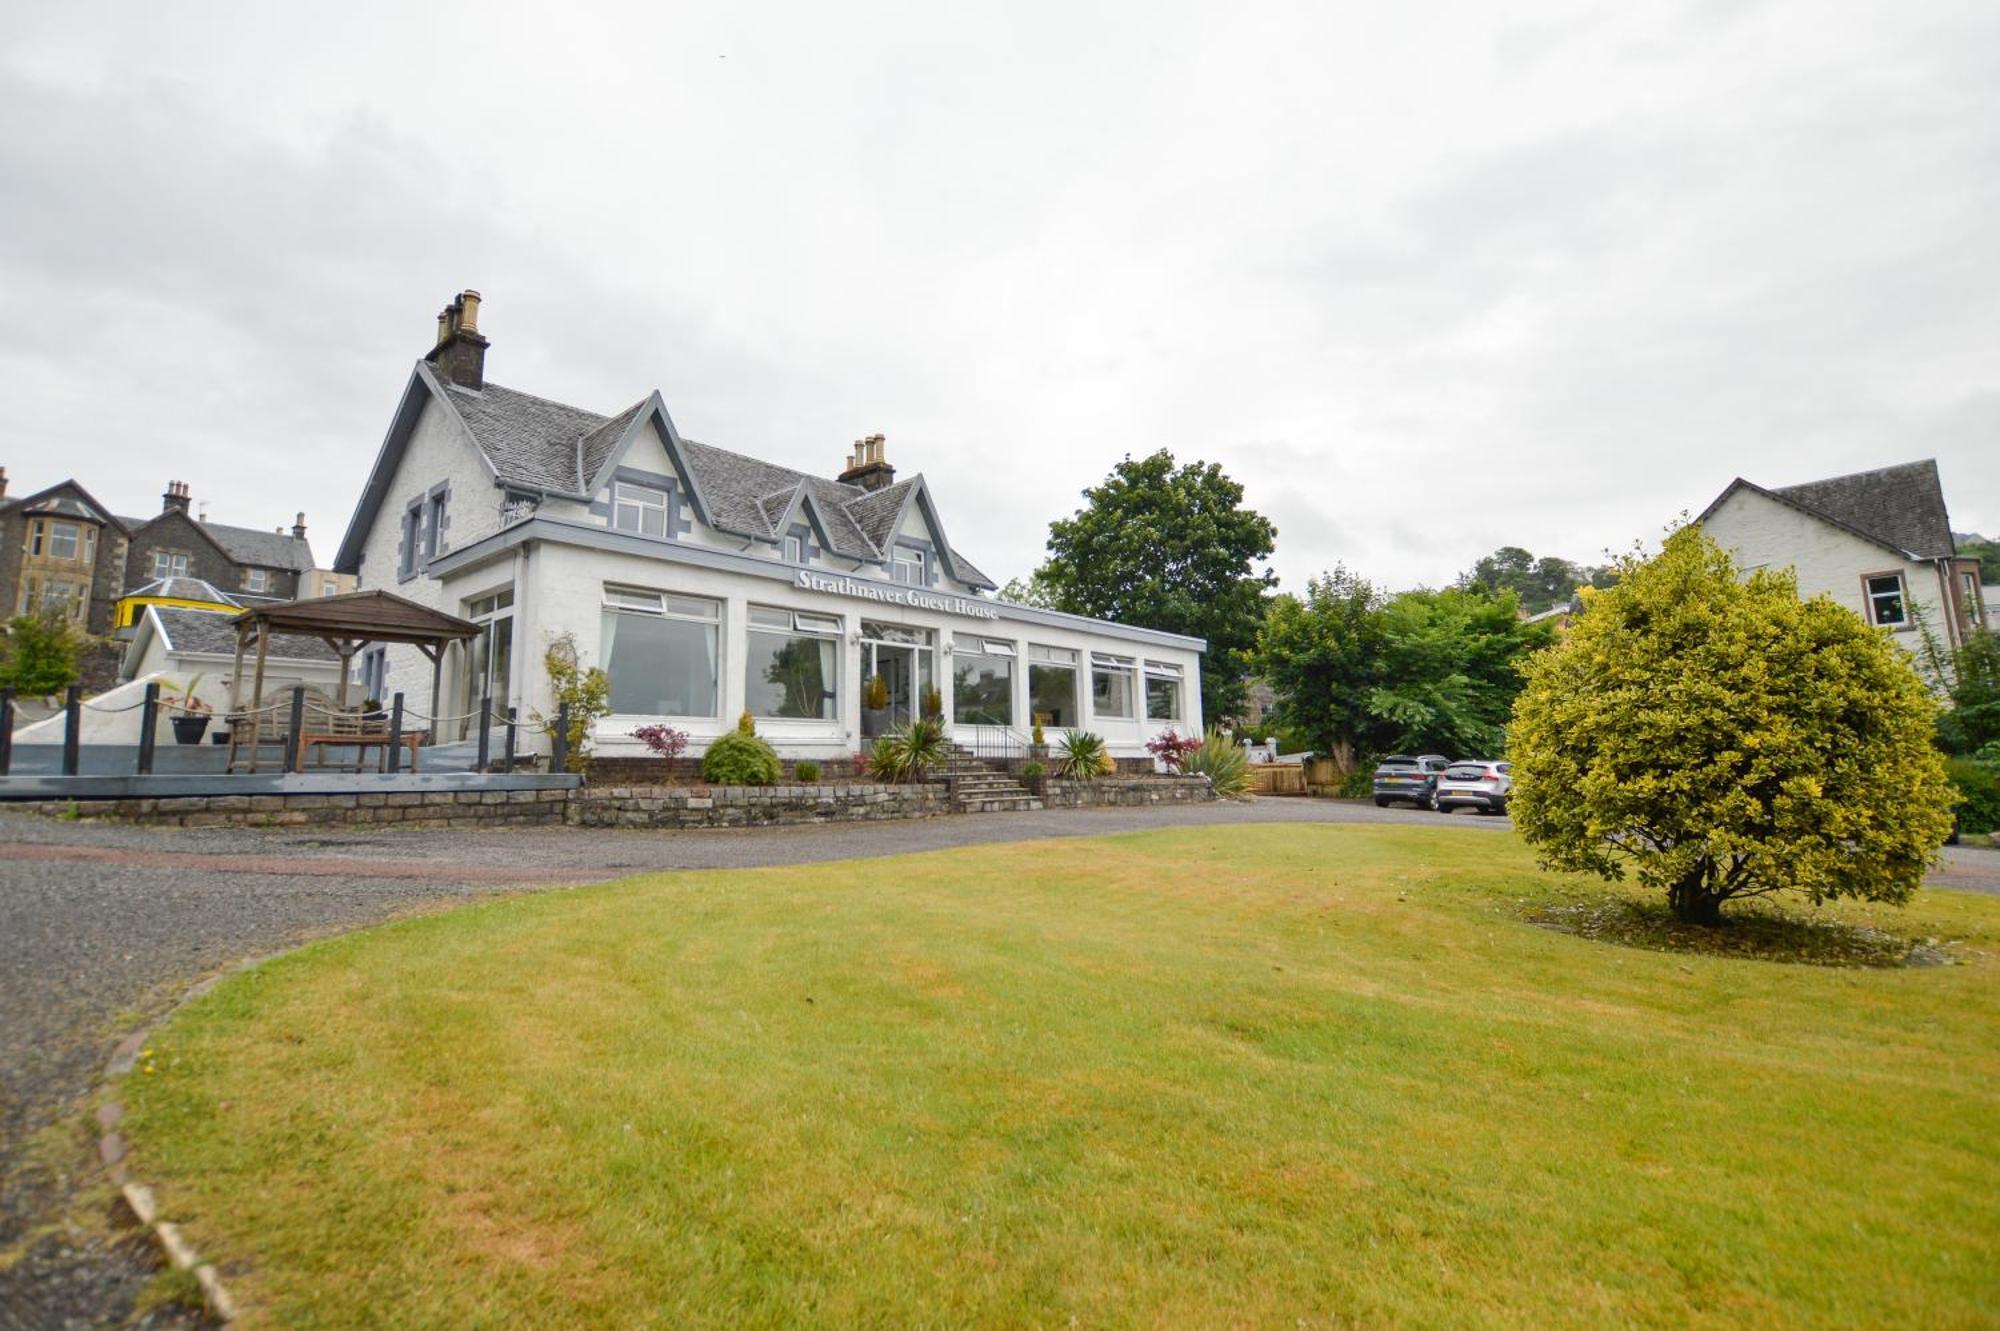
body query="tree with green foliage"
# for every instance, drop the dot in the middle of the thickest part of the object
(42, 653)
(1357, 673)
(1720, 739)
(1541, 584)
(1169, 547)
(1971, 545)
(1973, 678)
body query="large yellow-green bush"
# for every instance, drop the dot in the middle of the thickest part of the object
(1720, 738)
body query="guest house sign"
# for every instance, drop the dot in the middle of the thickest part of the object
(889, 593)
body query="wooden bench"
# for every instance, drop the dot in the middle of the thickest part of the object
(359, 732)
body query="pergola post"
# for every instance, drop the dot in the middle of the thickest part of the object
(236, 672)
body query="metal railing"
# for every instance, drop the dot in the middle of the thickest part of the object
(293, 738)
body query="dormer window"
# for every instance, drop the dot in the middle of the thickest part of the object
(907, 566)
(639, 508)
(795, 550)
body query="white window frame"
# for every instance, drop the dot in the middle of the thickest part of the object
(74, 531)
(641, 502)
(904, 559)
(175, 564)
(1900, 595)
(256, 580)
(435, 506)
(1127, 666)
(684, 606)
(1165, 670)
(795, 550)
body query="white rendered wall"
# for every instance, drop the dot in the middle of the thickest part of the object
(1762, 533)
(562, 591)
(437, 452)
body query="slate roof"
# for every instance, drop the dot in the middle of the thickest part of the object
(1901, 506)
(265, 549)
(214, 632)
(543, 445)
(184, 589)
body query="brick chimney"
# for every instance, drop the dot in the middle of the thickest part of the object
(175, 500)
(867, 468)
(299, 528)
(460, 353)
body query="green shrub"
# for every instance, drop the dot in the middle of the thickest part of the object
(737, 759)
(1034, 771)
(42, 653)
(911, 753)
(1223, 761)
(1081, 756)
(1358, 784)
(807, 771)
(1979, 786)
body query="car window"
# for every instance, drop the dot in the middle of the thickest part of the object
(1467, 772)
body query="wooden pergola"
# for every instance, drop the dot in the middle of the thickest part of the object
(346, 623)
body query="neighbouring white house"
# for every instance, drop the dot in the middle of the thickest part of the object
(1878, 542)
(198, 648)
(708, 583)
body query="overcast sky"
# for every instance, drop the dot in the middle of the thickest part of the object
(1425, 280)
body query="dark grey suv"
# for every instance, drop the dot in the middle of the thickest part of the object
(1402, 776)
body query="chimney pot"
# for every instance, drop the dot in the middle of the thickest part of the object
(299, 528)
(175, 500)
(868, 468)
(460, 353)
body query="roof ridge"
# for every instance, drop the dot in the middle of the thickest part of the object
(521, 392)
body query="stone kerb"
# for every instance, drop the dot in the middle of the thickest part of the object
(747, 806)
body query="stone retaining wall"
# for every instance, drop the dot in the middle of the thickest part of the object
(431, 808)
(1127, 792)
(751, 806)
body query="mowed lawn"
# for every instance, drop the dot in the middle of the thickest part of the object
(1254, 1076)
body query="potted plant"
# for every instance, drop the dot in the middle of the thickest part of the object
(875, 706)
(188, 714)
(1036, 778)
(933, 704)
(1038, 743)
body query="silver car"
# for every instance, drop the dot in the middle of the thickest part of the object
(1474, 785)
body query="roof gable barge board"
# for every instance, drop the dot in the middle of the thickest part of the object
(652, 413)
(420, 390)
(564, 531)
(105, 515)
(1741, 486)
(803, 503)
(918, 496)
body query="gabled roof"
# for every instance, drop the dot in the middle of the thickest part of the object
(79, 503)
(213, 633)
(265, 549)
(1900, 508)
(551, 448)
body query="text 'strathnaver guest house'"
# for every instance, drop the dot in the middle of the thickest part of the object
(708, 583)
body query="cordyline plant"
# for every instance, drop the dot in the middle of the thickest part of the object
(1719, 738)
(1173, 749)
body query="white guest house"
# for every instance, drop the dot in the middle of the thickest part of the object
(708, 583)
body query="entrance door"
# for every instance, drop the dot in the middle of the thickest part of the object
(900, 667)
(491, 660)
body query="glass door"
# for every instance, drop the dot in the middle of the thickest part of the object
(491, 661)
(895, 673)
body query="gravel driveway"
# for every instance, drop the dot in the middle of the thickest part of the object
(103, 926)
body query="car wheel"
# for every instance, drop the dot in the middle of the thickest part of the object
(1499, 810)
(1381, 803)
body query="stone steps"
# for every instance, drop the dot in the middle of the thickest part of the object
(977, 787)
